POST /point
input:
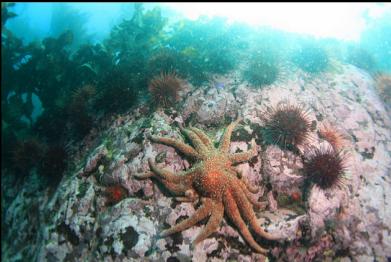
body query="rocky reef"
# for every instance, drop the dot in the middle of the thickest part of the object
(81, 221)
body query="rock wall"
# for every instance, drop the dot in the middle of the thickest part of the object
(352, 222)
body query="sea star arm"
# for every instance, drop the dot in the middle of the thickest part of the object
(199, 214)
(184, 199)
(234, 173)
(196, 141)
(256, 204)
(233, 213)
(246, 209)
(144, 176)
(171, 177)
(204, 138)
(244, 156)
(185, 149)
(213, 222)
(190, 196)
(226, 139)
(176, 188)
(251, 188)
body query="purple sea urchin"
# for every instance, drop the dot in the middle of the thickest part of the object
(333, 136)
(286, 125)
(325, 167)
(164, 89)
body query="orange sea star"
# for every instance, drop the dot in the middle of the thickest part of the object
(214, 180)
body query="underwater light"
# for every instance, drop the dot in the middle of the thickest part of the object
(343, 21)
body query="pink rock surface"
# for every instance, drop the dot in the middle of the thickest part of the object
(354, 217)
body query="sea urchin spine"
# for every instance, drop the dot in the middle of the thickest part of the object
(286, 125)
(325, 167)
(331, 135)
(165, 89)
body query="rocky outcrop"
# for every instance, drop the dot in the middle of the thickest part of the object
(351, 222)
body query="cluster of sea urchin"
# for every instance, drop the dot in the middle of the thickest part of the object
(164, 89)
(289, 126)
(286, 125)
(325, 166)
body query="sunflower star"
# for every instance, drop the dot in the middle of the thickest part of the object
(215, 182)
